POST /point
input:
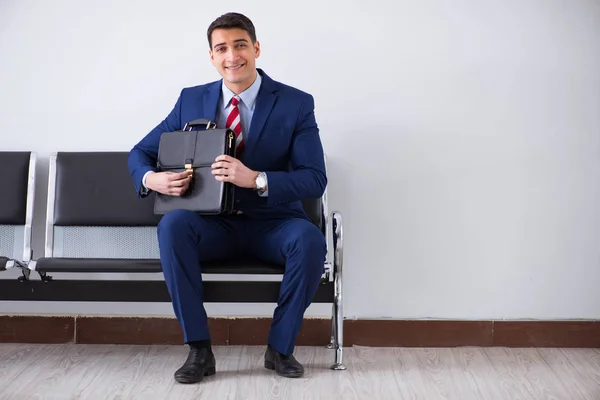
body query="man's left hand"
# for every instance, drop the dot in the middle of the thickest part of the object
(229, 169)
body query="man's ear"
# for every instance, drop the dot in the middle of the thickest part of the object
(257, 49)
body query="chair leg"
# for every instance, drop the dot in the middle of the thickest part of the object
(338, 314)
(331, 344)
(338, 324)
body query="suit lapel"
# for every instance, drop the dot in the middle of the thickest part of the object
(265, 100)
(211, 101)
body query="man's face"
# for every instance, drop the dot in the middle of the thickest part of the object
(234, 56)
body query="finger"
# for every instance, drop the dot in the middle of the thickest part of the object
(172, 176)
(220, 164)
(180, 182)
(177, 180)
(178, 191)
(225, 157)
(221, 171)
(224, 178)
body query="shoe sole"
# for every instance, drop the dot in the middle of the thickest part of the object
(271, 366)
(209, 372)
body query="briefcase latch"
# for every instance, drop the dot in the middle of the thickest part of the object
(188, 167)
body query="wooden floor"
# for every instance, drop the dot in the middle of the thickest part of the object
(146, 372)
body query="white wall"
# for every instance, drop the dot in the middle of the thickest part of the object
(463, 137)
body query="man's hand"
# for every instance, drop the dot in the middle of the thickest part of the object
(169, 183)
(229, 169)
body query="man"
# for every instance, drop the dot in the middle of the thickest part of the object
(280, 162)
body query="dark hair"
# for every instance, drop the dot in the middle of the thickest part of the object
(229, 21)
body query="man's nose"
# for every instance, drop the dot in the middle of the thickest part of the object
(231, 55)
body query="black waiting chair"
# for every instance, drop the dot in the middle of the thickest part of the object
(96, 223)
(16, 208)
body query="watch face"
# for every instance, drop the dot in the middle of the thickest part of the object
(260, 181)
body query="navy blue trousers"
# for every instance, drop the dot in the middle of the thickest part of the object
(187, 239)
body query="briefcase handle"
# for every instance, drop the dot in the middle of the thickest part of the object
(201, 121)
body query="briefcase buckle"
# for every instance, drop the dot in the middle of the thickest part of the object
(188, 167)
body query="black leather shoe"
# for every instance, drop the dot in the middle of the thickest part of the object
(199, 363)
(286, 366)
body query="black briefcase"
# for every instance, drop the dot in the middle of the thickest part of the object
(196, 150)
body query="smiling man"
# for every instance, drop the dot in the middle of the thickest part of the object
(279, 163)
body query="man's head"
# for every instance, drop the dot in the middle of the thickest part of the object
(234, 50)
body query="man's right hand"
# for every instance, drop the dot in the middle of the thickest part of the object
(169, 183)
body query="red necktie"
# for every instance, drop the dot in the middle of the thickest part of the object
(234, 122)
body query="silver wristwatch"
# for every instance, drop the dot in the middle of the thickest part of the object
(261, 182)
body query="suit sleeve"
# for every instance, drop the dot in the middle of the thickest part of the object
(143, 156)
(307, 177)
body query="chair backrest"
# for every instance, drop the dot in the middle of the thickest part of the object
(317, 209)
(314, 208)
(16, 203)
(94, 211)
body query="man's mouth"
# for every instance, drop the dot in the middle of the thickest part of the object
(235, 67)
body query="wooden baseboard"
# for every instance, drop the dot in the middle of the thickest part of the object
(315, 332)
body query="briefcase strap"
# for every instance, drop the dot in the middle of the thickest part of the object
(190, 150)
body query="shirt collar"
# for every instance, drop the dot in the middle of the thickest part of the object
(248, 96)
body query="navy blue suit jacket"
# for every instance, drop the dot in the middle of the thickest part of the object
(283, 141)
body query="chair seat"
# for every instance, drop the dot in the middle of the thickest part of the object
(151, 265)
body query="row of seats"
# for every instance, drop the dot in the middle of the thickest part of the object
(95, 223)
